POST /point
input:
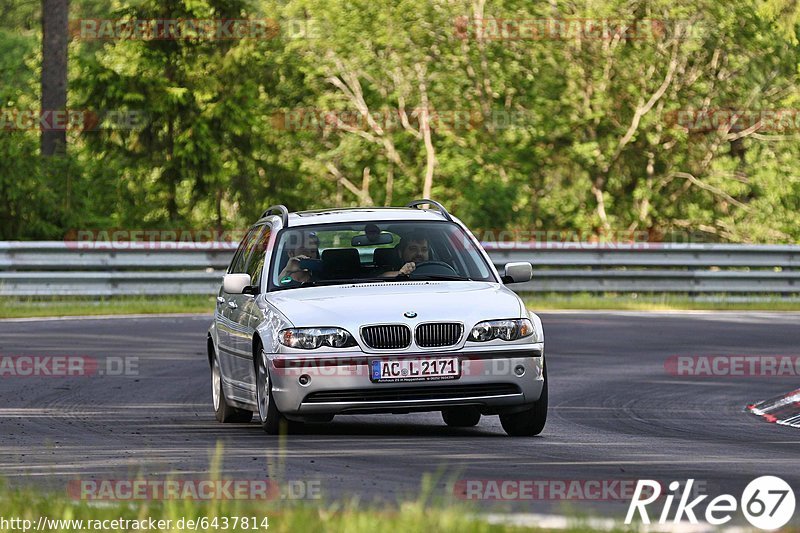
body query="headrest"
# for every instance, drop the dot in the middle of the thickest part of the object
(341, 263)
(386, 257)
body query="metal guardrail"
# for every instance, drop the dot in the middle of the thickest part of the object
(64, 268)
(655, 267)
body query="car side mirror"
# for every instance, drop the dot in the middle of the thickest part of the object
(235, 283)
(517, 272)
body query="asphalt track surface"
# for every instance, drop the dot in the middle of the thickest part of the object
(616, 414)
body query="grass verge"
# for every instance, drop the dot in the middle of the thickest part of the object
(29, 509)
(23, 307)
(659, 302)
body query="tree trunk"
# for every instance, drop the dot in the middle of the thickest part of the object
(55, 35)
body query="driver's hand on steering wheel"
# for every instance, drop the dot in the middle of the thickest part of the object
(407, 269)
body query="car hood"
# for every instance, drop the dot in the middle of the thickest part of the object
(351, 306)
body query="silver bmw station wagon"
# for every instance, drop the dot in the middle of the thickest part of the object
(373, 310)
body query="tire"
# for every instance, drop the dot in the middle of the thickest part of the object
(461, 417)
(529, 422)
(222, 411)
(273, 422)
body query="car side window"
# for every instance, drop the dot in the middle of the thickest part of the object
(237, 265)
(256, 264)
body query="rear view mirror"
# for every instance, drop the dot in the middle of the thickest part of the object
(235, 283)
(518, 272)
(372, 240)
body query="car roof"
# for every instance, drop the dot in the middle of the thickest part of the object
(362, 214)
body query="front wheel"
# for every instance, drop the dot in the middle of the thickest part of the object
(529, 422)
(270, 417)
(222, 411)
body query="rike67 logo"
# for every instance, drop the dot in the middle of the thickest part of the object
(767, 502)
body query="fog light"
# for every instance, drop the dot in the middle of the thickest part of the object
(519, 370)
(304, 380)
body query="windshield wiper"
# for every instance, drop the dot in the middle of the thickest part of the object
(322, 282)
(398, 278)
(345, 281)
(438, 277)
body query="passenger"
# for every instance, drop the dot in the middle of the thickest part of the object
(413, 249)
(306, 247)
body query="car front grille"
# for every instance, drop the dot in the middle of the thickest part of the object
(439, 334)
(431, 392)
(386, 336)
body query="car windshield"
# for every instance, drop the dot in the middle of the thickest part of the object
(334, 254)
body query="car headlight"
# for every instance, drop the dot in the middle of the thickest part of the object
(507, 330)
(312, 338)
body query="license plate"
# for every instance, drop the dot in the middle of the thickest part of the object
(393, 370)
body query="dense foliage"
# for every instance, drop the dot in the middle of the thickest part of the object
(365, 102)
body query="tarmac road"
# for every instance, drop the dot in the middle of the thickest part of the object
(616, 414)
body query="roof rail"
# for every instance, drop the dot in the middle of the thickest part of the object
(439, 206)
(281, 209)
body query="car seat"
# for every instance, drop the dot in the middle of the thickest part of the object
(340, 263)
(386, 259)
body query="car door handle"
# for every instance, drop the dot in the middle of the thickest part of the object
(232, 304)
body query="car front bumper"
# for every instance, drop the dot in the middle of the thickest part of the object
(496, 380)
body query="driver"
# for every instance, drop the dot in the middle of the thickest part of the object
(305, 247)
(413, 249)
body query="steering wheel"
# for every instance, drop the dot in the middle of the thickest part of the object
(434, 268)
